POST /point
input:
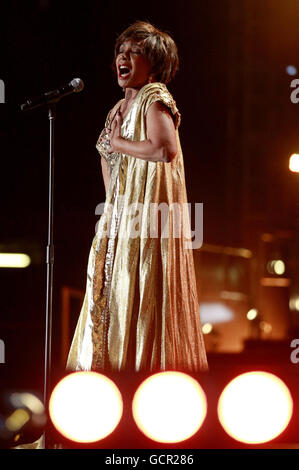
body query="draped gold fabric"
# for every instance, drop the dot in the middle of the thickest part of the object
(141, 310)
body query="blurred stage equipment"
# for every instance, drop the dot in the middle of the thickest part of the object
(22, 418)
(49, 100)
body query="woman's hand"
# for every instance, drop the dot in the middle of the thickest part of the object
(115, 132)
(160, 144)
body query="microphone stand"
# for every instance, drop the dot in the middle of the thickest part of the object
(50, 266)
(50, 99)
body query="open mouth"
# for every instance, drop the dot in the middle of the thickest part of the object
(124, 71)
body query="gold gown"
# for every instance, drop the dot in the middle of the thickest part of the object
(141, 309)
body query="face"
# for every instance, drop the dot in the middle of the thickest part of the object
(133, 69)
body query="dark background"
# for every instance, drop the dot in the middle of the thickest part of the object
(237, 132)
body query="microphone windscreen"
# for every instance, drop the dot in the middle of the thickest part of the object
(77, 84)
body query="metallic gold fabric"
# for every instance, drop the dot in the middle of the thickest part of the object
(140, 310)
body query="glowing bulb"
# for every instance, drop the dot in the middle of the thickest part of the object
(169, 407)
(17, 420)
(266, 327)
(215, 312)
(279, 267)
(85, 406)
(294, 303)
(294, 162)
(14, 260)
(248, 407)
(291, 70)
(207, 328)
(252, 314)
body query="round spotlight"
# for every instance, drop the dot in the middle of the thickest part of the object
(276, 266)
(169, 407)
(255, 407)
(294, 162)
(291, 70)
(252, 314)
(85, 406)
(265, 327)
(207, 328)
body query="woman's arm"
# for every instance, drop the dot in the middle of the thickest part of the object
(105, 173)
(160, 145)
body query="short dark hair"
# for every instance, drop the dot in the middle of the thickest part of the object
(158, 47)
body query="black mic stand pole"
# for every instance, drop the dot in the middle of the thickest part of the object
(50, 266)
(50, 99)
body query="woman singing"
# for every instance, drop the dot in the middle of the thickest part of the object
(140, 310)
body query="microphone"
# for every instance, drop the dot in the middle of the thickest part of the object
(74, 86)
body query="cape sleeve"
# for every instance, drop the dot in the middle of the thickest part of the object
(159, 92)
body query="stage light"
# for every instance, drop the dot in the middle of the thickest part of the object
(275, 282)
(215, 312)
(276, 266)
(265, 327)
(252, 314)
(14, 260)
(17, 420)
(294, 162)
(33, 404)
(255, 407)
(23, 416)
(169, 407)
(27, 400)
(85, 406)
(294, 303)
(279, 267)
(291, 70)
(207, 328)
